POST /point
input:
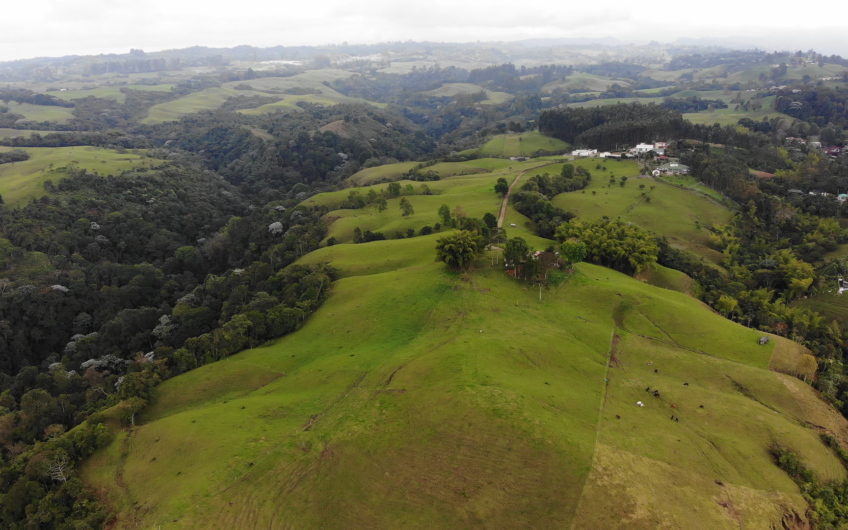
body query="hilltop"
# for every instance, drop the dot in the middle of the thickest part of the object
(421, 397)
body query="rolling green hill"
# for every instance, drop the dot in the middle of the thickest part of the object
(443, 169)
(454, 89)
(584, 81)
(213, 98)
(415, 398)
(672, 211)
(523, 144)
(41, 113)
(20, 181)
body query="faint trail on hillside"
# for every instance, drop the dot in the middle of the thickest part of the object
(514, 182)
(601, 405)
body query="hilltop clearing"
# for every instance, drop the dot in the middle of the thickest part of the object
(523, 144)
(21, 181)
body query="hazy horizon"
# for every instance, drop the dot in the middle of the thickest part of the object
(93, 27)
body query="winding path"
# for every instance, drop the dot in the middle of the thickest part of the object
(514, 182)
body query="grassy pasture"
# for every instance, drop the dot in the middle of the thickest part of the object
(473, 191)
(671, 212)
(208, 99)
(213, 98)
(108, 92)
(523, 144)
(437, 402)
(20, 181)
(41, 113)
(8, 133)
(455, 89)
(443, 169)
(584, 81)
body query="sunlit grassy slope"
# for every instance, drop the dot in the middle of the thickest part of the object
(417, 399)
(20, 181)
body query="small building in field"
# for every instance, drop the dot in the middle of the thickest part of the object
(673, 168)
(643, 148)
(763, 341)
(584, 152)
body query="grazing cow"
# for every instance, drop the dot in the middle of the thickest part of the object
(677, 420)
(685, 384)
(656, 371)
(617, 417)
(656, 393)
(648, 389)
(702, 406)
(672, 416)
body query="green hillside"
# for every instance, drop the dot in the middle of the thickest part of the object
(474, 192)
(20, 181)
(40, 113)
(671, 211)
(584, 81)
(443, 169)
(213, 98)
(455, 89)
(415, 398)
(523, 144)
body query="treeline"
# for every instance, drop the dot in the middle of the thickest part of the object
(610, 126)
(23, 95)
(15, 155)
(692, 104)
(508, 78)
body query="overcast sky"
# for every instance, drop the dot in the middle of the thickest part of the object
(66, 27)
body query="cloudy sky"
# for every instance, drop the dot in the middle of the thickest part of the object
(65, 27)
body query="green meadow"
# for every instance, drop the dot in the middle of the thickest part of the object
(523, 144)
(41, 113)
(584, 81)
(672, 211)
(443, 169)
(21, 181)
(213, 98)
(473, 191)
(8, 133)
(109, 92)
(418, 398)
(455, 89)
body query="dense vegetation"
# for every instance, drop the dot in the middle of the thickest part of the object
(113, 285)
(611, 126)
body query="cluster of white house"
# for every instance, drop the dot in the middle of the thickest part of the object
(640, 149)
